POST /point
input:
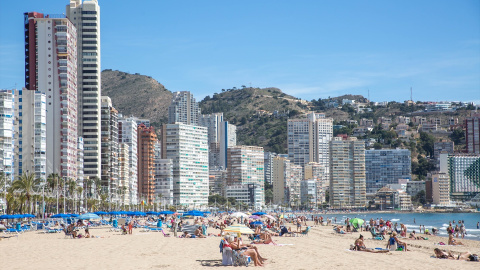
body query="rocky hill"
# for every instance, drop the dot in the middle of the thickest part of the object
(138, 95)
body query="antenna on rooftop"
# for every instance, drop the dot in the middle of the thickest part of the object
(369, 95)
(411, 94)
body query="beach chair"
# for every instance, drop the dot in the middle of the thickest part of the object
(240, 259)
(306, 231)
(376, 235)
(115, 228)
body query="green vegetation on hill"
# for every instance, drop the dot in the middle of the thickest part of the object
(259, 114)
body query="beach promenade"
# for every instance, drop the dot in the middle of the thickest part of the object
(321, 249)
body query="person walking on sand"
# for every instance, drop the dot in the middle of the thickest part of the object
(130, 227)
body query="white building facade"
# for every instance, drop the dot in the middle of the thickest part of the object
(187, 147)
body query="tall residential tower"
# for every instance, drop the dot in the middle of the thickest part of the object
(86, 18)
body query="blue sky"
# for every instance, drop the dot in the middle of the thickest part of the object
(309, 49)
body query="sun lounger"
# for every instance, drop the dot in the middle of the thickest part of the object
(307, 230)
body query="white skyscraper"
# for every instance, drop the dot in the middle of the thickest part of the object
(86, 18)
(308, 139)
(187, 147)
(7, 108)
(245, 166)
(31, 133)
(183, 109)
(51, 68)
(127, 134)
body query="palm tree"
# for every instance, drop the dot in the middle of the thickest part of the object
(98, 186)
(26, 184)
(78, 191)
(71, 184)
(53, 182)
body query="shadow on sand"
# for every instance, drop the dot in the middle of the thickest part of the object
(211, 263)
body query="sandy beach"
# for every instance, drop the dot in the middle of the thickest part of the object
(321, 249)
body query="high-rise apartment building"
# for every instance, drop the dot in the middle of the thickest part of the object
(212, 122)
(163, 178)
(51, 68)
(217, 180)
(472, 133)
(386, 166)
(183, 109)
(267, 166)
(347, 173)
(7, 113)
(245, 166)
(31, 133)
(295, 177)
(85, 16)
(308, 192)
(146, 163)
(228, 138)
(464, 174)
(123, 173)
(308, 139)
(187, 147)
(441, 188)
(128, 135)
(316, 171)
(109, 149)
(221, 135)
(281, 180)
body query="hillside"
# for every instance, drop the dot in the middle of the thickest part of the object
(259, 114)
(138, 95)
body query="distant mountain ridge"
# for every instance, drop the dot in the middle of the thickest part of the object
(137, 95)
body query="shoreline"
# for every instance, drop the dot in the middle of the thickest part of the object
(151, 250)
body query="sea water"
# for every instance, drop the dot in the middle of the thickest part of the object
(413, 221)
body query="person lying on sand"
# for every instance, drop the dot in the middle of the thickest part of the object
(453, 242)
(465, 256)
(415, 237)
(360, 246)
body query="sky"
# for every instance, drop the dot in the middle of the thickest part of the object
(308, 49)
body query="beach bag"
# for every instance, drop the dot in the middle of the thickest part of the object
(473, 258)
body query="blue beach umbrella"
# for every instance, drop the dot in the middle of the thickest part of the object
(166, 213)
(256, 223)
(74, 215)
(9, 216)
(259, 214)
(61, 215)
(101, 213)
(89, 216)
(151, 213)
(28, 215)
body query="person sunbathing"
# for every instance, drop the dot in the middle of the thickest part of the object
(415, 237)
(360, 246)
(266, 238)
(465, 256)
(253, 253)
(198, 233)
(186, 235)
(453, 242)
